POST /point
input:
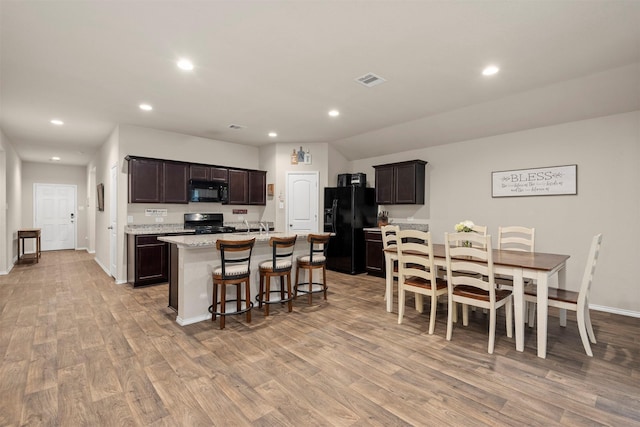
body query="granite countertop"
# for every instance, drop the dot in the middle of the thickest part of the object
(209, 240)
(403, 226)
(156, 229)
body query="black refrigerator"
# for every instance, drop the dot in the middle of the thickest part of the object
(347, 211)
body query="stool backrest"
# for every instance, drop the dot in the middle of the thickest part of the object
(318, 245)
(282, 248)
(235, 256)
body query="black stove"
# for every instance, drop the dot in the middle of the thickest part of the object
(206, 223)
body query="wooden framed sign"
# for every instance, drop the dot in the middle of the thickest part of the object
(551, 181)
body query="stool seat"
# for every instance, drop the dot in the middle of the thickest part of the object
(318, 244)
(234, 270)
(280, 266)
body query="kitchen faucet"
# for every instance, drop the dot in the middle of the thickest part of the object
(247, 224)
(264, 226)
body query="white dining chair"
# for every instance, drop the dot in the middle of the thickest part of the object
(476, 289)
(417, 272)
(571, 300)
(514, 238)
(389, 233)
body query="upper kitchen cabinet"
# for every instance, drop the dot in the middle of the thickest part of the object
(208, 173)
(157, 181)
(247, 187)
(400, 183)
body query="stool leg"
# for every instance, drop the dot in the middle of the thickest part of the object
(214, 306)
(324, 281)
(281, 287)
(289, 290)
(310, 284)
(295, 285)
(248, 292)
(223, 304)
(261, 291)
(238, 293)
(268, 296)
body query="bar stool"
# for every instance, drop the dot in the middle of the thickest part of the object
(317, 258)
(278, 266)
(234, 269)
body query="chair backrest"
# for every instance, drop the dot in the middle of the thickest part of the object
(318, 245)
(282, 252)
(470, 265)
(589, 270)
(516, 238)
(415, 255)
(235, 257)
(389, 233)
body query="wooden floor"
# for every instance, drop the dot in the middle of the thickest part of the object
(79, 350)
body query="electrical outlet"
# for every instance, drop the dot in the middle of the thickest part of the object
(159, 219)
(130, 219)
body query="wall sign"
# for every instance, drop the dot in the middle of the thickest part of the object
(551, 181)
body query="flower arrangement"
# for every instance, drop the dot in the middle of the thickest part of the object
(464, 226)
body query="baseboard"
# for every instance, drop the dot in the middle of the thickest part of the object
(91, 252)
(106, 270)
(81, 249)
(614, 310)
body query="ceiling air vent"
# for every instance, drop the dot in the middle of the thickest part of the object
(370, 80)
(236, 127)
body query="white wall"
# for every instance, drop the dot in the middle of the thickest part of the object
(10, 204)
(43, 173)
(606, 150)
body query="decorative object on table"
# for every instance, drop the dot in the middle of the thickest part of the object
(383, 218)
(549, 181)
(294, 157)
(465, 226)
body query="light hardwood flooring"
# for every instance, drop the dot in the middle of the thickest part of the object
(79, 350)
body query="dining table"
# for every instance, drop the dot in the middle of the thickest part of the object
(537, 266)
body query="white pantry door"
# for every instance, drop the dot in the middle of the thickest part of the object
(55, 214)
(302, 202)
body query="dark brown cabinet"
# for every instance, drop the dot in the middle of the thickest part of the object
(145, 180)
(247, 187)
(400, 183)
(175, 182)
(147, 260)
(374, 264)
(157, 181)
(208, 173)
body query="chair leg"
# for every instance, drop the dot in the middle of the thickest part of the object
(324, 280)
(450, 312)
(281, 288)
(432, 316)
(531, 308)
(295, 285)
(261, 290)
(583, 331)
(509, 315)
(465, 315)
(214, 306)
(419, 302)
(492, 330)
(310, 278)
(587, 321)
(223, 304)
(400, 303)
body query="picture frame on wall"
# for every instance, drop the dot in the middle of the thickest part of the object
(547, 181)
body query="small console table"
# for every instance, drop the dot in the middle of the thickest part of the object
(29, 233)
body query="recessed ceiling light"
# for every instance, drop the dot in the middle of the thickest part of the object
(55, 158)
(146, 107)
(334, 113)
(273, 134)
(57, 122)
(490, 70)
(185, 64)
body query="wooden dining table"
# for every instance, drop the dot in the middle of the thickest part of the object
(538, 266)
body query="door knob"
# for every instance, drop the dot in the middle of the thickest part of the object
(109, 228)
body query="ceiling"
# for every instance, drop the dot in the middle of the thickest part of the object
(282, 65)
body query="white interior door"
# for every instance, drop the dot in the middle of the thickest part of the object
(113, 222)
(302, 202)
(55, 213)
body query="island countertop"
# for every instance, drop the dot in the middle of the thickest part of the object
(209, 240)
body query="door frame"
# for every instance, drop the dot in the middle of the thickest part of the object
(288, 199)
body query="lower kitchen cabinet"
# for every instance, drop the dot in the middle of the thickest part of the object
(374, 253)
(147, 260)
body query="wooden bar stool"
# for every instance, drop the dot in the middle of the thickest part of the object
(234, 269)
(279, 265)
(317, 258)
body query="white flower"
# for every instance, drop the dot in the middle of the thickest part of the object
(464, 226)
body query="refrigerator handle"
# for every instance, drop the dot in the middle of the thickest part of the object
(334, 215)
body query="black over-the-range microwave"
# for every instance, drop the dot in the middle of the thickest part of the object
(208, 191)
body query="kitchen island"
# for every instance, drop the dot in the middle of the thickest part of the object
(195, 260)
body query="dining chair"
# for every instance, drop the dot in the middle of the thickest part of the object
(417, 272)
(477, 289)
(571, 300)
(514, 238)
(389, 233)
(317, 259)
